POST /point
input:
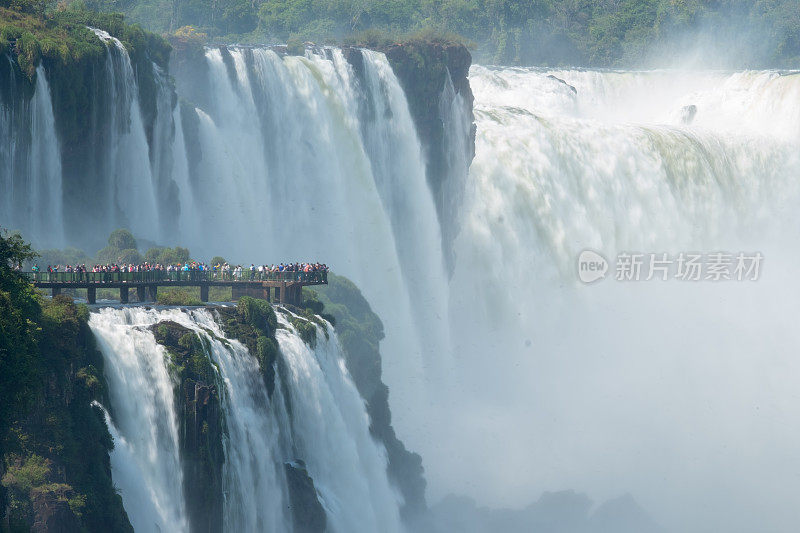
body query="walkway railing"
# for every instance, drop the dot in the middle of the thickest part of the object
(161, 276)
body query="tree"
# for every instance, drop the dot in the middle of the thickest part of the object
(217, 260)
(13, 250)
(19, 312)
(129, 256)
(173, 256)
(154, 254)
(122, 239)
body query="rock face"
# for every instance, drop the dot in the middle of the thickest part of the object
(554, 512)
(201, 426)
(687, 113)
(308, 515)
(567, 85)
(434, 77)
(56, 470)
(360, 332)
(52, 513)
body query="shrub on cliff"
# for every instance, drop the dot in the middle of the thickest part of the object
(19, 313)
(53, 444)
(258, 314)
(178, 297)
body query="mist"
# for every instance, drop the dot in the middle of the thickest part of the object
(678, 394)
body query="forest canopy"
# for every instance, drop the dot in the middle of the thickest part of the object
(749, 33)
(594, 33)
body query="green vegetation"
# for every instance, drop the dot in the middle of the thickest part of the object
(254, 323)
(122, 248)
(584, 32)
(122, 239)
(167, 256)
(177, 297)
(53, 444)
(34, 32)
(360, 332)
(201, 420)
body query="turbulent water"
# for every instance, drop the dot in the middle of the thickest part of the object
(326, 426)
(508, 375)
(679, 393)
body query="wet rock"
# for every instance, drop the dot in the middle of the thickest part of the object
(559, 80)
(688, 113)
(421, 68)
(308, 515)
(52, 513)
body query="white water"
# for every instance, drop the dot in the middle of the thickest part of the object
(145, 463)
(331, 430)
(328, 429)
(128, 175)
(30, 167)
(288, 162)
(253, 487)
(681, 394)
(289, 158)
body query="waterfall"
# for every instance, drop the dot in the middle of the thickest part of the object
(508, 375)
(332, 436)
(316, 416)
(678, 393)
(284, 147)
(301, 156)
(145, 462)
(30, 167)
(128, 175)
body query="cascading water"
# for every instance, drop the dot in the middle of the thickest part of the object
(30, 167)
(669, 391)
(680, 393)
(289, 159)
(146, 461)
(294, 156)
(129, 183)
(326, 426)
(332, 435)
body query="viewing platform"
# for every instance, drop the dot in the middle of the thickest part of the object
(280, 287)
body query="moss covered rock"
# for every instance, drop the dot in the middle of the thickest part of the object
(56, 466)
(253, 322)
(201, 423)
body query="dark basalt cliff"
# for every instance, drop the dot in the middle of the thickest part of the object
(434, 78)
(422, 67)
(55, 467)
(201, 425)
(360, 332)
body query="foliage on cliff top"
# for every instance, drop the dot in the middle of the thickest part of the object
(377, 39)
(33, 33)
(186, 350)
(579, 32)
(253, 323)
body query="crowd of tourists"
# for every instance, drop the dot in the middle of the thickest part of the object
(190, 269)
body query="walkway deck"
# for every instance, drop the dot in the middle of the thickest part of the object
(281, 287)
